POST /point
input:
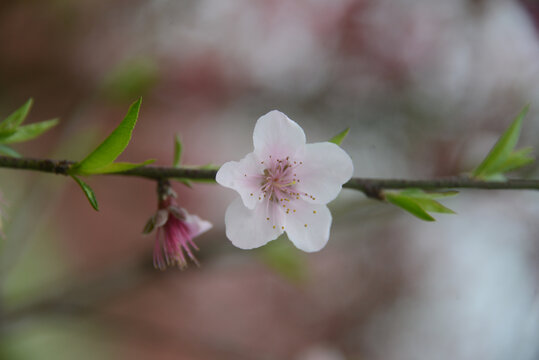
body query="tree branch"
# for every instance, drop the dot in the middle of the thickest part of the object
(370, 186)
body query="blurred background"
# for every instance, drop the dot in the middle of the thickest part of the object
(426, 88)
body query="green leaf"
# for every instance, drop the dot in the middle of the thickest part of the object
(119, 167)
(7, 133)
(420, 194)
(6, 150)
(501, 156)
(112, 146)
(17, 117)
(433, 206)
(29, 132)
(409, 204)
(515, 160)
(88, 192)
(419, 202)
(177, 151)
(338, 139)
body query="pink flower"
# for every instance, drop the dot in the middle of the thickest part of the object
(176, 229)
(284, 185)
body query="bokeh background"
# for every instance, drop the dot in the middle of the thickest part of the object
(426, 88)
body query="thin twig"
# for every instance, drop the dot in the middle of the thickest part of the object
(372, 187)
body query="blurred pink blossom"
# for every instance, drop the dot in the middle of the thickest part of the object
(176, 229)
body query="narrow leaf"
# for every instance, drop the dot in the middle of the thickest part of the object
(17, 117)
(6, 150)
(338, 139)
(113, 146)
(118, 167)
(29, 132)
(420, 194)
(515, 160)
(7, 133)
(177, 151)
(503, 147)
(494, 177)
(408, 204)
(88, 192)
(433, 206)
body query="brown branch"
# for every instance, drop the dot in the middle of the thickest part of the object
(372, 187)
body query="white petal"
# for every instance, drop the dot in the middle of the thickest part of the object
(325, 168)
(243, 176)
(276, 135)
(248, 229)
(308, 227)
(196, 225)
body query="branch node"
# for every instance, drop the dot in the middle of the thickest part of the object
(373, 192)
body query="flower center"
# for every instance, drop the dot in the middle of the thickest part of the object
(278, 184)
(279, 180)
